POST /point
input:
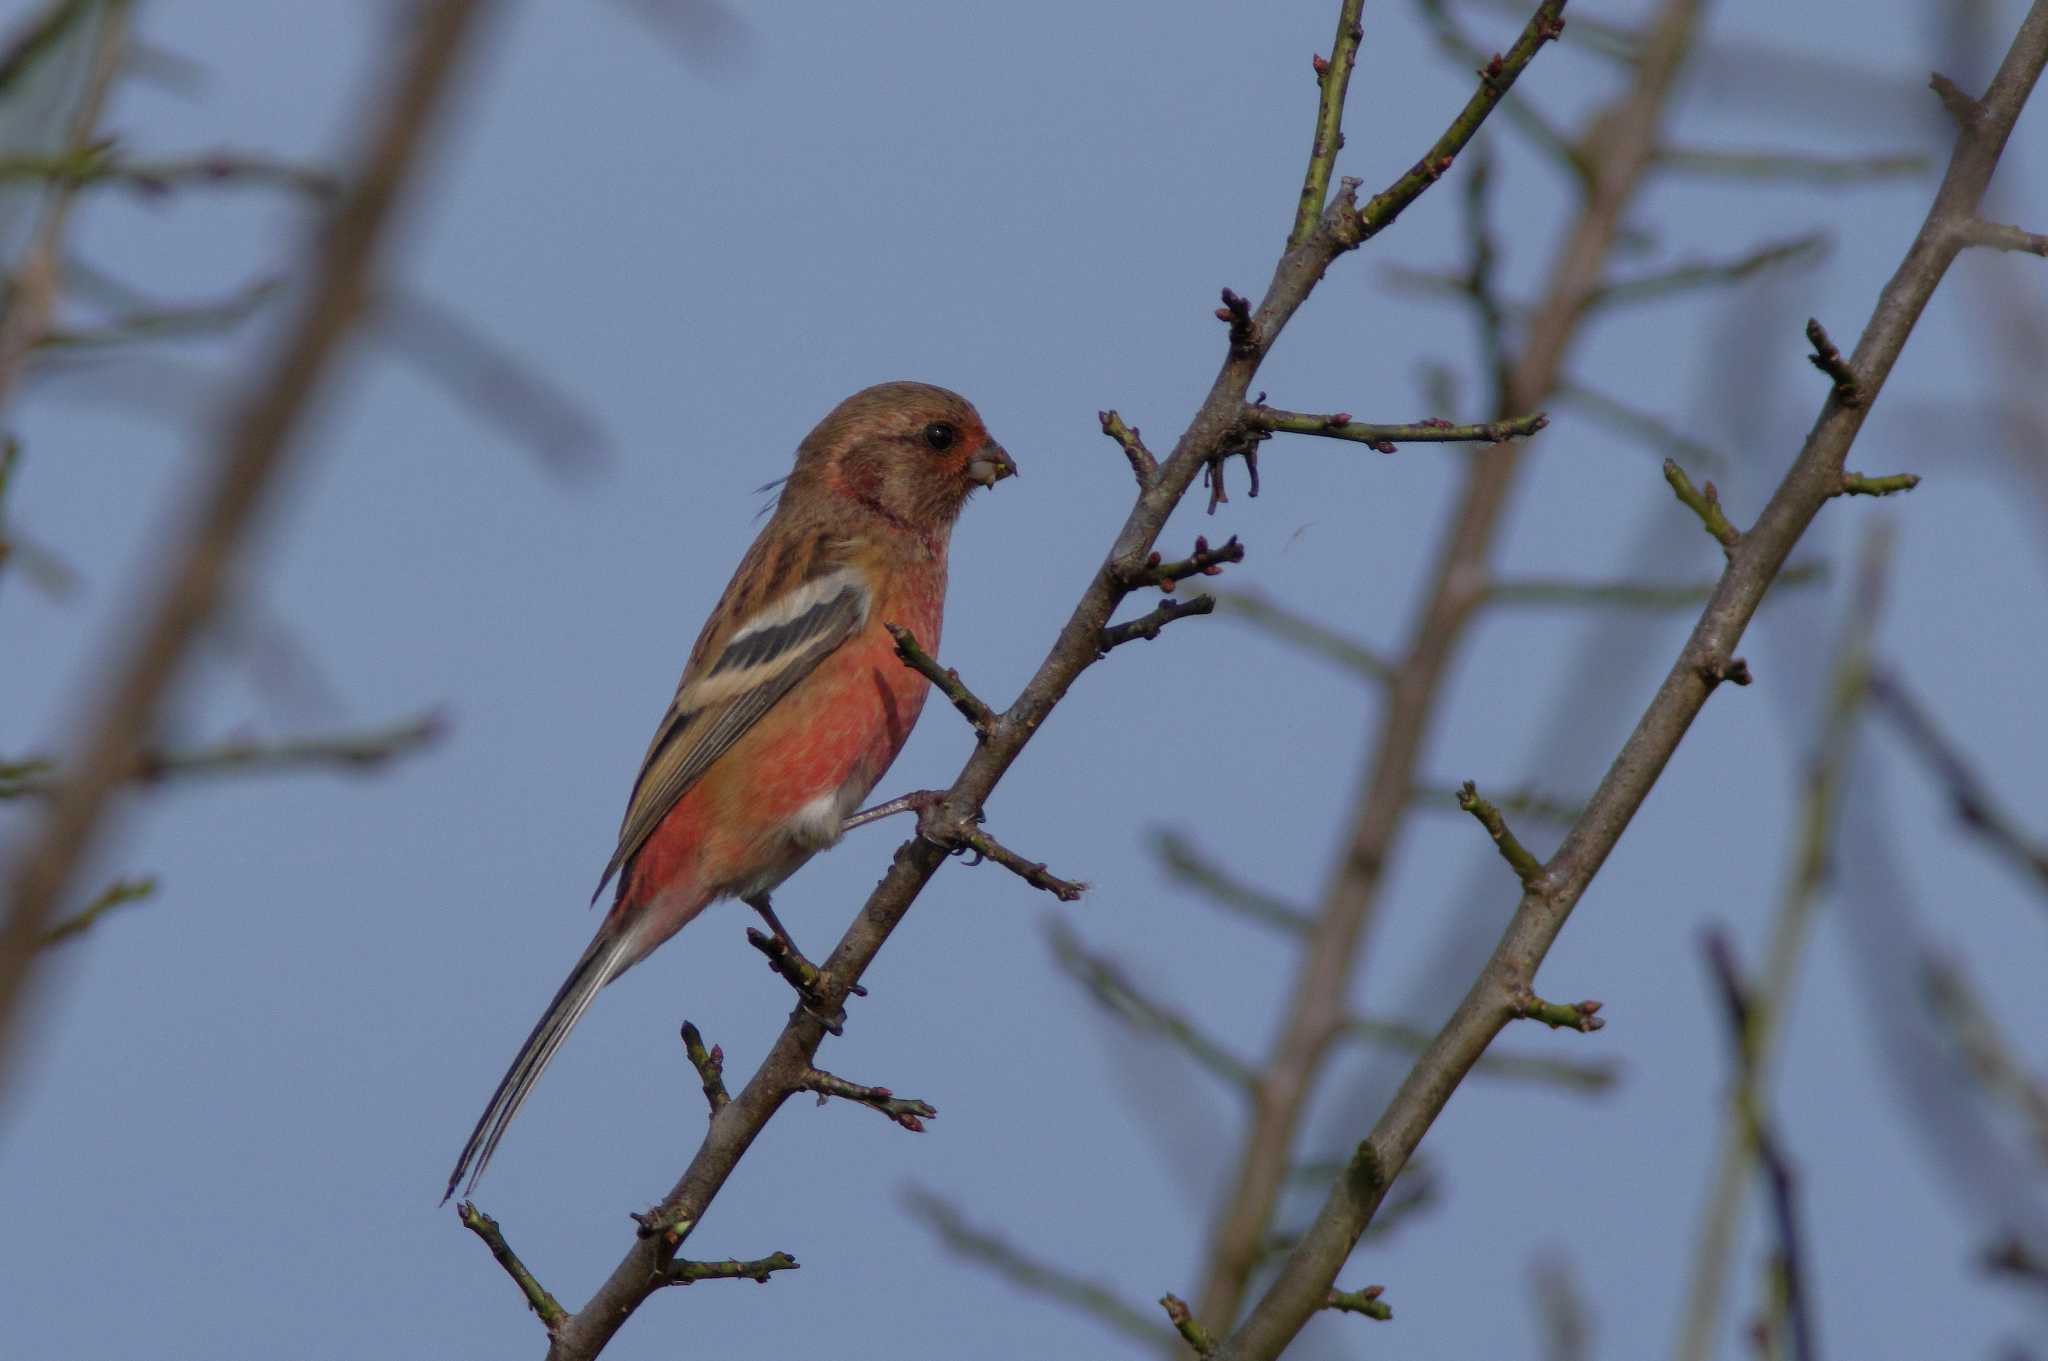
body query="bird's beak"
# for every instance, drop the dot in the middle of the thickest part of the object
(991, 465)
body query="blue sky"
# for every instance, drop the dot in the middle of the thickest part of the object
(241, 1098)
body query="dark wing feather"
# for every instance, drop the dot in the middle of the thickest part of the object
(715, 708)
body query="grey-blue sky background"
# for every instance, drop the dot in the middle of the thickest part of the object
(241, 1098)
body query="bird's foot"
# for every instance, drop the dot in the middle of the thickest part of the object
(918, 801)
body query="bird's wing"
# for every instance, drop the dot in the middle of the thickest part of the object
(729, 686)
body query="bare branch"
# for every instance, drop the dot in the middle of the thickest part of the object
(901, 1110)
(1385, 438)
(1333, 78)
(1056, 1281)
(1996, 236)
(1260, 610)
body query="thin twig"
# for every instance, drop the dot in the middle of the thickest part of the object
(1704, 502)
(710, 1066)
(1186, 863)
(1263, 612)
(1149, 626)
(1385, 438)
(551, 1313)
(1704, 274)
(117, 894)
(1107, 983)
(1520, 859)
(1810, 167)
(902, 1110)
(979, 716)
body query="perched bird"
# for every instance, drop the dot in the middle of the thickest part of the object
(793, 701)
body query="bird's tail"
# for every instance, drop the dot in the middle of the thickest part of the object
(608, 956)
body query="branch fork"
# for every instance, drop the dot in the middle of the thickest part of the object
(979, 716)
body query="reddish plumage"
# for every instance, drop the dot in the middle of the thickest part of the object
(793, 702)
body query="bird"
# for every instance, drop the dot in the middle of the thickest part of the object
(793, 701)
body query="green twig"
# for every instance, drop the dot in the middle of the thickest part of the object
(1580, 1016)
(710, 1066)
(99, 164)
(1856, 484)
(1144, 466)
(1366, 1302)
(552, 1314)
(1704, 502)
(1520, 859)
(759, 1269)
(1187, 1325)
(1333, 78)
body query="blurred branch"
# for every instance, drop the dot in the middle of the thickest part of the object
(1970, 795)
(1956, 1004)
(31, 297)
(1791, 165)
(258, 443)
(39, 777)
(99, 163)
(1747, 1102)
(1319, 994)
(1256, 608)
(117, 894)
(1058, 1282)
(1767, 1005)
(1813, 480)
(1631, 595)
(1703, 273)
(1592, 1075)
(165, 323)
(1567, 1320)
(1112, 989)
(1637, 424)
(1184, 861)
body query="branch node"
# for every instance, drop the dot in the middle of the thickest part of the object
(1520, 859)
(1829, 360)
(1967, 111)
(1704, 502)
(1735, 671)
(710, 1066)
(1580, 1016)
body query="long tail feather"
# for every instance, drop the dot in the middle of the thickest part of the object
(605, 960)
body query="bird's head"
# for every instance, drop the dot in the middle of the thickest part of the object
(908, 452)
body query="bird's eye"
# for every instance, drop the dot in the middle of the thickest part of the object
(940, 435)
